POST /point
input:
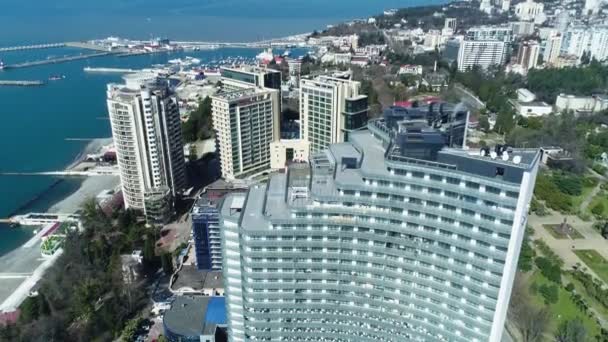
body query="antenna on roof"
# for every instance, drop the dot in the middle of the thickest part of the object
(493, 155)
(517, 159)
(505, 155)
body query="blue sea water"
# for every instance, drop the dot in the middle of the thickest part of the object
(35, 121)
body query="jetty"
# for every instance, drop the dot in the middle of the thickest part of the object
(32, 47)
(110, 70)
(40, 219)
(11, 83)
(56, 60)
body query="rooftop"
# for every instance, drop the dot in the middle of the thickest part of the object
(190, 279)
(428, 138)
(192, 316)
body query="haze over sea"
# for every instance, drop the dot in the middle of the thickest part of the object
(35, 121)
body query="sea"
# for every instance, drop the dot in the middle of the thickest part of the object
(35, 122)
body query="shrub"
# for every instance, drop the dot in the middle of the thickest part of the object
(598, 209)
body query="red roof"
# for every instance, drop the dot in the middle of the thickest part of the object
(9, 317)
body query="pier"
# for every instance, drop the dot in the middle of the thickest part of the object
(110, 70)
(32, 47)
(21, 83)
(55, 60)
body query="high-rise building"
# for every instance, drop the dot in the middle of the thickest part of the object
(505, 5)
(491, 33)
(553, 46)
(486, 6)
(575, 41)
(592, 7)
(330, 108)
(146, 128)
(530, 10)
(205, 223)
(484, 46)
(527, 55)
(522, 28)
(246, 122)
(250, 76)
(398, 235)
(481, 53)
(598, 43)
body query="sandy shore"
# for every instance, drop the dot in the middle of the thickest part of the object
(23, 267)
(89, 188)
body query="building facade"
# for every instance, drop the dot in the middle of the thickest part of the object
(146, 129)
(246, 122)
(397, 235)
(552, 48)
(330, 108)
(530, 10)
(527, 54)
(286, 151)
(484, 46)
(250, 76)
(481, 53)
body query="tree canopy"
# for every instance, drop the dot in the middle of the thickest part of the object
(199, 125)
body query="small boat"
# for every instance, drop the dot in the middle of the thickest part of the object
(56, 77)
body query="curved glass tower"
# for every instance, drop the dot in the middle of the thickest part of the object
(397, 235)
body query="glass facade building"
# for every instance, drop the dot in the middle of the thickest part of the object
(399, 234)
(330, 108)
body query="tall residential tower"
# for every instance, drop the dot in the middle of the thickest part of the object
(398, 235)
(245, 122)
(146, 128)
(330, 108)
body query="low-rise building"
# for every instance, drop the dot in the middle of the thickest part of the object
(410, 69)
(196, 318)
(526, 106)
(581, 104)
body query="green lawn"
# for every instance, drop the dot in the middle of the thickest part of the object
(577, 200)
(564, 309)
(580, 289)
(599, 198)
(595, 262)
(551, 228)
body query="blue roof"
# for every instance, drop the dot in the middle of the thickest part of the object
(216, 310)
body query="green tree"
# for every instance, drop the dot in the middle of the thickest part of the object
(484, 123)
(199, 125)
(550, 293)
(598, 209)
(571, 331)
(504, 122)
(30, 309)
(167, 263)
(549, 269)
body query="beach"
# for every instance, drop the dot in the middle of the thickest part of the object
(23, 267)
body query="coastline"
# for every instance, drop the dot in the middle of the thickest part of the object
(23, 267)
